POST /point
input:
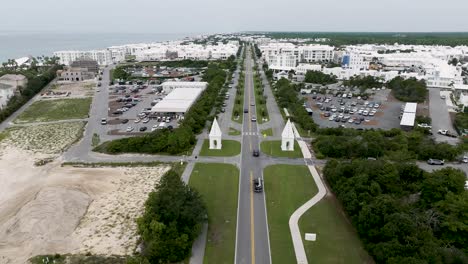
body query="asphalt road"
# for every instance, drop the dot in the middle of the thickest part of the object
(252, 243)
(440, 116)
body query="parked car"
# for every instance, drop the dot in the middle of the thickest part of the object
(124, 121)
(464, 159)
(435, 162)
(424, 125)
(129, 129)
(142, 129)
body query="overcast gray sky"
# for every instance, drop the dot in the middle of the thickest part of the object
(186, 16)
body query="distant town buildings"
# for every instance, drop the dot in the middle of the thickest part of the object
(429, 63)
(173, 50)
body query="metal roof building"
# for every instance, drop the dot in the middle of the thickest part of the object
(410, 108)
(178, 101)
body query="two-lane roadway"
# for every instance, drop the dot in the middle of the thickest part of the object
(252, 243)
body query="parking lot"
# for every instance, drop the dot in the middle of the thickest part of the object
(129, 110)
(340, 107)
(440, 116)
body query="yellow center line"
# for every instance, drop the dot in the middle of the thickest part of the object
(252, 224)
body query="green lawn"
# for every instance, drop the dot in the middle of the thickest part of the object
(229, 148)
(273, 148)
(234, 132)
(287, 187)
(218, 184)
(54, 110)
(267, 132)
(336, 241)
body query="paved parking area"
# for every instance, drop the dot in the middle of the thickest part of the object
(439, 112)
(146, 96)
(346, 109)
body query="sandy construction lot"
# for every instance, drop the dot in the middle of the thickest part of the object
(53, 209)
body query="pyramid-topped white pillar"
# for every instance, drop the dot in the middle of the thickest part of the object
(215, 136)
(287, 137)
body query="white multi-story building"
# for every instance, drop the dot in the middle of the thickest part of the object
(103, 57)
(315, 53)
(282, 62)
(279, 56)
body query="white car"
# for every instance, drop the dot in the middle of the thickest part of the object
(331, 118)
(129, 129)
(146, 120)
(424, 125)
(137, 120)
(372, 113)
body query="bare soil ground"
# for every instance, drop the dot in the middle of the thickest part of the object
(76, 89)
(52, 209)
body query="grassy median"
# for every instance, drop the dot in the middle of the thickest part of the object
(55, 110)
(287, 187)
(218, 184)
(229, 148)
(260, 100)
(273, 148)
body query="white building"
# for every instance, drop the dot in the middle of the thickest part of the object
(287, 137)
(409, 116)
(286, 56)
(9, 84)
(103, 57)
(215, 136)
(282, 62)
(177, 102)
(302, 68)
(169, 86)
(315, 53)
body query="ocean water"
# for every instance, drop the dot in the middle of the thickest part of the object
(14, 45)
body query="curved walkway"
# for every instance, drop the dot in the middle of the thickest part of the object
(299, 250)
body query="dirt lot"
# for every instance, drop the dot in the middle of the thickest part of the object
(74, 89)
(52, 209)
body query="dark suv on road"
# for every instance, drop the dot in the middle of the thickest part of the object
(256, 153)
(258, 185)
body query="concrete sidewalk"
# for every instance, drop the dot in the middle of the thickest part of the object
(299, 250)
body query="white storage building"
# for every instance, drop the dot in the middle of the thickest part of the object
(409, 116)
(178, 101)
(169, 86)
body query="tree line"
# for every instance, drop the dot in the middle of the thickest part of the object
(38, 78)
(408, 90)
(181, 139)
(286, 94)
(319, 78)
(403, 214)
(174, 214)
(353, 38)
(394, 144)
